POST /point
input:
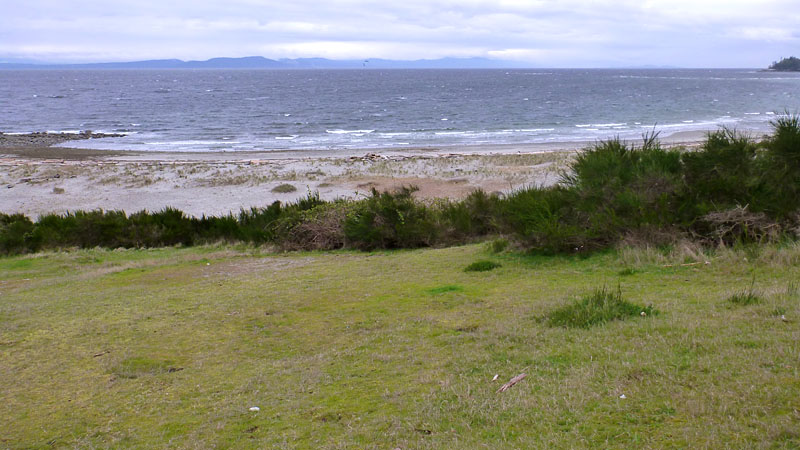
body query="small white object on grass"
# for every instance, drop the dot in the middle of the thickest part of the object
(643, 314)
(495, 377)
(783, 318)
(208, 264)
(255, 409)
(623, 396)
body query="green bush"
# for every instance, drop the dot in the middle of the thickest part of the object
(600, 307)
(544, 219)
(284, 188)
(476, 215)
(498, 245)
(721, 175)
(16, 235)
(390, 220)
(620, 187)
(482, 266)
(782, 168)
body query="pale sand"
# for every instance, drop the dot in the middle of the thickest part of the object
(220, 183)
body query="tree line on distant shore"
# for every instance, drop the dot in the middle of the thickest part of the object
(790, 64)
(733, 189)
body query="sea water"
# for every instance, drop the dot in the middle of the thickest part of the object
(330, 110)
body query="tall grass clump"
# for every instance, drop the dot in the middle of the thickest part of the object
(746, 297)
(597, 308)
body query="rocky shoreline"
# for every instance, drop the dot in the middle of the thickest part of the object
(46, 139)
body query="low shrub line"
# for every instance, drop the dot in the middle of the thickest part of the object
(733, 189)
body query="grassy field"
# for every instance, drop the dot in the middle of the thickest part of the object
(171, 348)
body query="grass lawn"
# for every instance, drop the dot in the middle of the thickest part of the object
(171, 348)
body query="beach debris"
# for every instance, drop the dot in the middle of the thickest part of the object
(512, 382)
(369, 157)
(783, 318)
(255, 409)
(104, 352)
(495, 377)
(623, 397)
(643, 314)
(707, 263)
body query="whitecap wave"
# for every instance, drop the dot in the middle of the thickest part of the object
(349, 131)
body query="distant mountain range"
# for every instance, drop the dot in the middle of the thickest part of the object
(258, 62)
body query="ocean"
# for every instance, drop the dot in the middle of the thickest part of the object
(331, 110)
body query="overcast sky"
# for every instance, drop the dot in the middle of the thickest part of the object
(570, 33)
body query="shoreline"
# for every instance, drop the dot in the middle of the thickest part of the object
(39, 180)
(44, 145)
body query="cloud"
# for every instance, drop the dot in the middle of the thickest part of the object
(704, 33)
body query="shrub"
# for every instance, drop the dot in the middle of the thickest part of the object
(15, 234)
(600, 307)
(213, 229)
(482, 266)
(390, 220)
(319, 228)
(544, 219)
(498, 245)
(256, 225)
(722, 175)
(284, 188)
(782, 169)
(620, 187)
(474, 216)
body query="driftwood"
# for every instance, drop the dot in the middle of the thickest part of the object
(512, 382)
(688, 264)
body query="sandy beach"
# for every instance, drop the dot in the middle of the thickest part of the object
(39, 178)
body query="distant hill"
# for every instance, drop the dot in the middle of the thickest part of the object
(258, 62)
(790, 64)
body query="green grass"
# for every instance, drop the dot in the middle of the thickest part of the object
(445, 289)
(598, 308)
(169, 348)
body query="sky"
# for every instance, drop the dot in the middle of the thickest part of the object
(568, 33)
